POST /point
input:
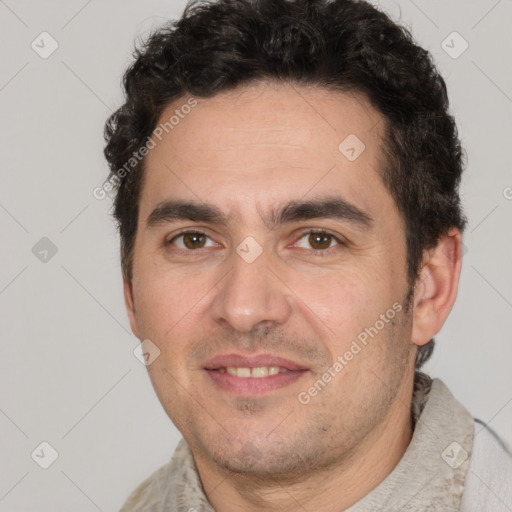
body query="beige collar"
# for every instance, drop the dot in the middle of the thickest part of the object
(430, 475)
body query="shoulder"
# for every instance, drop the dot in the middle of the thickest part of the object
(147, 496)
(165, 484)
(175, 486)
(488, 482)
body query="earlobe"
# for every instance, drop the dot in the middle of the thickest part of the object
(436, 287)
(130, 305)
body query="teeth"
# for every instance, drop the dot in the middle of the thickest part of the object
(258, 372)
(243, 372)
(261, 371)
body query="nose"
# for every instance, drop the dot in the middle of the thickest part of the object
(251, 296)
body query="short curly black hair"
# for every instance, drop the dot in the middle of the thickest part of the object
(341, 45)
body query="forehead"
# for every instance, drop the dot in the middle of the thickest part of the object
(250, 148)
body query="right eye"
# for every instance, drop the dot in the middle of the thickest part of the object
(189, 240)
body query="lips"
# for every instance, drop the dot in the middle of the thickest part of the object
(253, 375)
(253, 361)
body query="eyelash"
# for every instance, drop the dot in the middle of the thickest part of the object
(318, 252)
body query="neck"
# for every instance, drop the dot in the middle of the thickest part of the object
(345, 484)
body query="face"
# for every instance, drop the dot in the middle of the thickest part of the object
(270, 271)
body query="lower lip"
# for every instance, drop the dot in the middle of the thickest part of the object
(254, 385)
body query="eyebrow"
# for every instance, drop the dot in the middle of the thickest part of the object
(332, 207)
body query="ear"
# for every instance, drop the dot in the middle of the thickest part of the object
(130, 305)
(436, 287)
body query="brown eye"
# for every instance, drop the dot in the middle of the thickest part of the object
(320, 240)
(190, 240)
(317, 240)
(194, 240)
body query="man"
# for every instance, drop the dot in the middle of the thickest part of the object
(287, 182)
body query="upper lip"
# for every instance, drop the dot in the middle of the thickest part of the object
(251, 361)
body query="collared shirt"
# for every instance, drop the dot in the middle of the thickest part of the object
(436, 473)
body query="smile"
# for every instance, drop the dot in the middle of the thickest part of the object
(257, 372)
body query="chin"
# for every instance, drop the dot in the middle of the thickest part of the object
(250, 463)
(271, 461)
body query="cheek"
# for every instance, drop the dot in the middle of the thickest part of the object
(342, 303)
(164, 301)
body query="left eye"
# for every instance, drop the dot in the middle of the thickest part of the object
(318, 240)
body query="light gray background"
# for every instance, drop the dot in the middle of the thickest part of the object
(68, 373)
